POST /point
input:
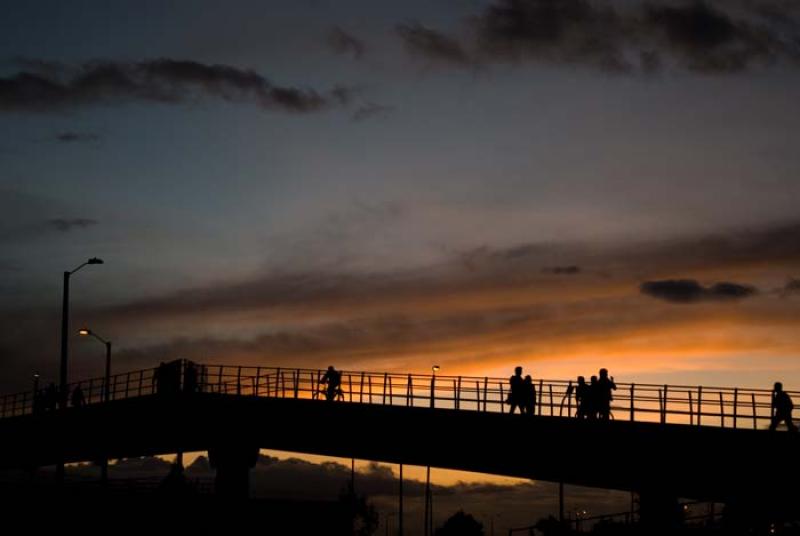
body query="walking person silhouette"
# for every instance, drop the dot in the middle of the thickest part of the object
(515, 394)
(604, 397)
(78, 399)
(528, 396)
(782, 407)
(583, 398)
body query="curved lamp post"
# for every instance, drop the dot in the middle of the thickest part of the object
(86, 332)
(62, 372)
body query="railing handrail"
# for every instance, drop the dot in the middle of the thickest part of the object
(731, 405)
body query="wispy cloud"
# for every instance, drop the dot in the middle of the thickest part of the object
(691, 291)
(76, 137)
(164, 80)
(70, 224)
(343, 42)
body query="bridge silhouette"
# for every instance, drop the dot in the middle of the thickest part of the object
(663, 441)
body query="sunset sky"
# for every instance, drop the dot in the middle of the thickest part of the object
(388, 185)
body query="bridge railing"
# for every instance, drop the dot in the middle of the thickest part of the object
(673, 404)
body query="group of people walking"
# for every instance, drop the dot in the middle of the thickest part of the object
(49, 399)
(521, 393)
(593, 399)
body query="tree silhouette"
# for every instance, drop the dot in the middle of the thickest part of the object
(460, 524)
(362, 517)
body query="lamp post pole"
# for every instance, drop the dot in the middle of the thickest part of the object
(62, 371)
(84, 332)
(107, 389)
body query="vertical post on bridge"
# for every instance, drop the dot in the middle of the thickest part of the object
(633, 404)
(541, 393)
(433, 390)
(699, 404)
(400, 505)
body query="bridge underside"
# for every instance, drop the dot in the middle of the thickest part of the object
(703, 463)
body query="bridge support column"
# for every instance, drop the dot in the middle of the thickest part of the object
(233, 463)
(659, 510)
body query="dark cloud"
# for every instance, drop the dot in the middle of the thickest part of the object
(563, 270)
(64, 224)
(342, 42)
(432, 45)
(570, 31)
(617, 36)
(161, 80)
(73, 137)
(791, 288)
(705, 38)
(690, 291)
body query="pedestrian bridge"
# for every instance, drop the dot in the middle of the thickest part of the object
(705, 443)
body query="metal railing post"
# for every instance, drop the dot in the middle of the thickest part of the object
(633, 404)
(699, 405)
(541, 389)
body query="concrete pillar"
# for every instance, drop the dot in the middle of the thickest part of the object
(659, 510)
(233, 462)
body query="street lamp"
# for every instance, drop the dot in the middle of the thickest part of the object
(86, 332)
(62, 373)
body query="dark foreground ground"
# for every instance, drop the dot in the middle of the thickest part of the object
(90, 512)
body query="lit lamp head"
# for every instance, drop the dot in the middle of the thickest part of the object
(435, 369)
(84, 332)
